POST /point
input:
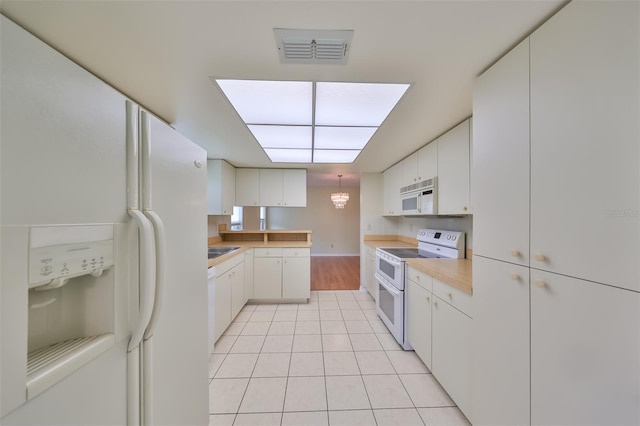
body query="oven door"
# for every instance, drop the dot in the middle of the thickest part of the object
(390, 307)
(389, 268)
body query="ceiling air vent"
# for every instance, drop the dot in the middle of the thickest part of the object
(313, 46)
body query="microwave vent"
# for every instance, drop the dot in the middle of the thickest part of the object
(417, 186)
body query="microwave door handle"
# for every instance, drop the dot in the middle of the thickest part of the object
(420, 202)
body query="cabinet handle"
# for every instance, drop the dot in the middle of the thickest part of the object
(539, 257)
(464, 208)
(540, 284)
(515, 277)
(418, 277)
(515, 253)
(435, 304)
(428, 299)
(450, 295)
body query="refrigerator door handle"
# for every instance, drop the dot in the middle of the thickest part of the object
(160, 269)
(147, 277)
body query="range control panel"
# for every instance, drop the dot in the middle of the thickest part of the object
(68, 251)
(453, 239)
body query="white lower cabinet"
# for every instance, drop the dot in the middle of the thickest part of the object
(248, 274)
(451, 344)
(229, 293)
(500, 339)
(296, 275)
(282, 273)
(585, 352)
(439, 327)
(222, 311)
(370, 271)
(419, 321)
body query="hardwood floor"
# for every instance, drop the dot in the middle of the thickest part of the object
(335, 272)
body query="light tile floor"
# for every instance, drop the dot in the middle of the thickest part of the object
(327, 362)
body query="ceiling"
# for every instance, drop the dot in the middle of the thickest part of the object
(163, 53)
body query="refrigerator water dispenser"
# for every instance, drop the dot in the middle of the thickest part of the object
(70, 303)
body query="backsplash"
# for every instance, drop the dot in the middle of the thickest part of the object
(214, 221)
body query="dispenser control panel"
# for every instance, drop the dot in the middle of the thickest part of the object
(65, 252)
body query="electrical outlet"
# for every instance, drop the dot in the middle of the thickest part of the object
(331, 245)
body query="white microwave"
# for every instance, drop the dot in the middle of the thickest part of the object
(420, 198)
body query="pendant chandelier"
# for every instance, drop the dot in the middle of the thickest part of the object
(340, 198)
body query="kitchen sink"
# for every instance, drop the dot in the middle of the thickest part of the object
(214, 252)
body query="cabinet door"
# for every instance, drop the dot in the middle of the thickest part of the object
(296, 277)
(221, 187)
(247, 187)
(392, 178)
(237, 289)
(428, 161)
(222, 314)
(248, 274)
(271, 187)
(453, 170)
(267, 278)
(501, 159)
(585, 179)
(211, 318)
(500, 343)
(451, 352)
(585, 352)
(228, 188)
(409, 170)
(294, 188)
(419, 321)
(369, 271)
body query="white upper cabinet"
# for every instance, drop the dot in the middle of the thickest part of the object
(392, 178)
(247, 187)
(409, 170)
(283, 187)
(501, 159)
(294, 188)
(453, 170)
(221, 187)
(421, 165)
(585, 178)
(271, 187)
(428, 161)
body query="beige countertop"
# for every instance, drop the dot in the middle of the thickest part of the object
(455, 272)
(244, 245)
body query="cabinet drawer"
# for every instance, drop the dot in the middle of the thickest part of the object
(296, 252)
(228, 264)
(456, 298)
(267, 252)
(423, 280)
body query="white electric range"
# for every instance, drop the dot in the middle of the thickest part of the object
(390, 275)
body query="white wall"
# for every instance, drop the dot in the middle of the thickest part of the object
(335, 232)
(214, 221)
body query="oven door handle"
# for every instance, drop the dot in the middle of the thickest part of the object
(390, 288)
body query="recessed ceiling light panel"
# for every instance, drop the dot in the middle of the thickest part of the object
(289, 155)
(282, 136)
(335, 155)
(265, 102)
(356, 104)
(342, 137)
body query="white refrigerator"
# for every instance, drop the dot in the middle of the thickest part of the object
(103, 279)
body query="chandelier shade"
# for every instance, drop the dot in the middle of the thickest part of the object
(339, 199)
